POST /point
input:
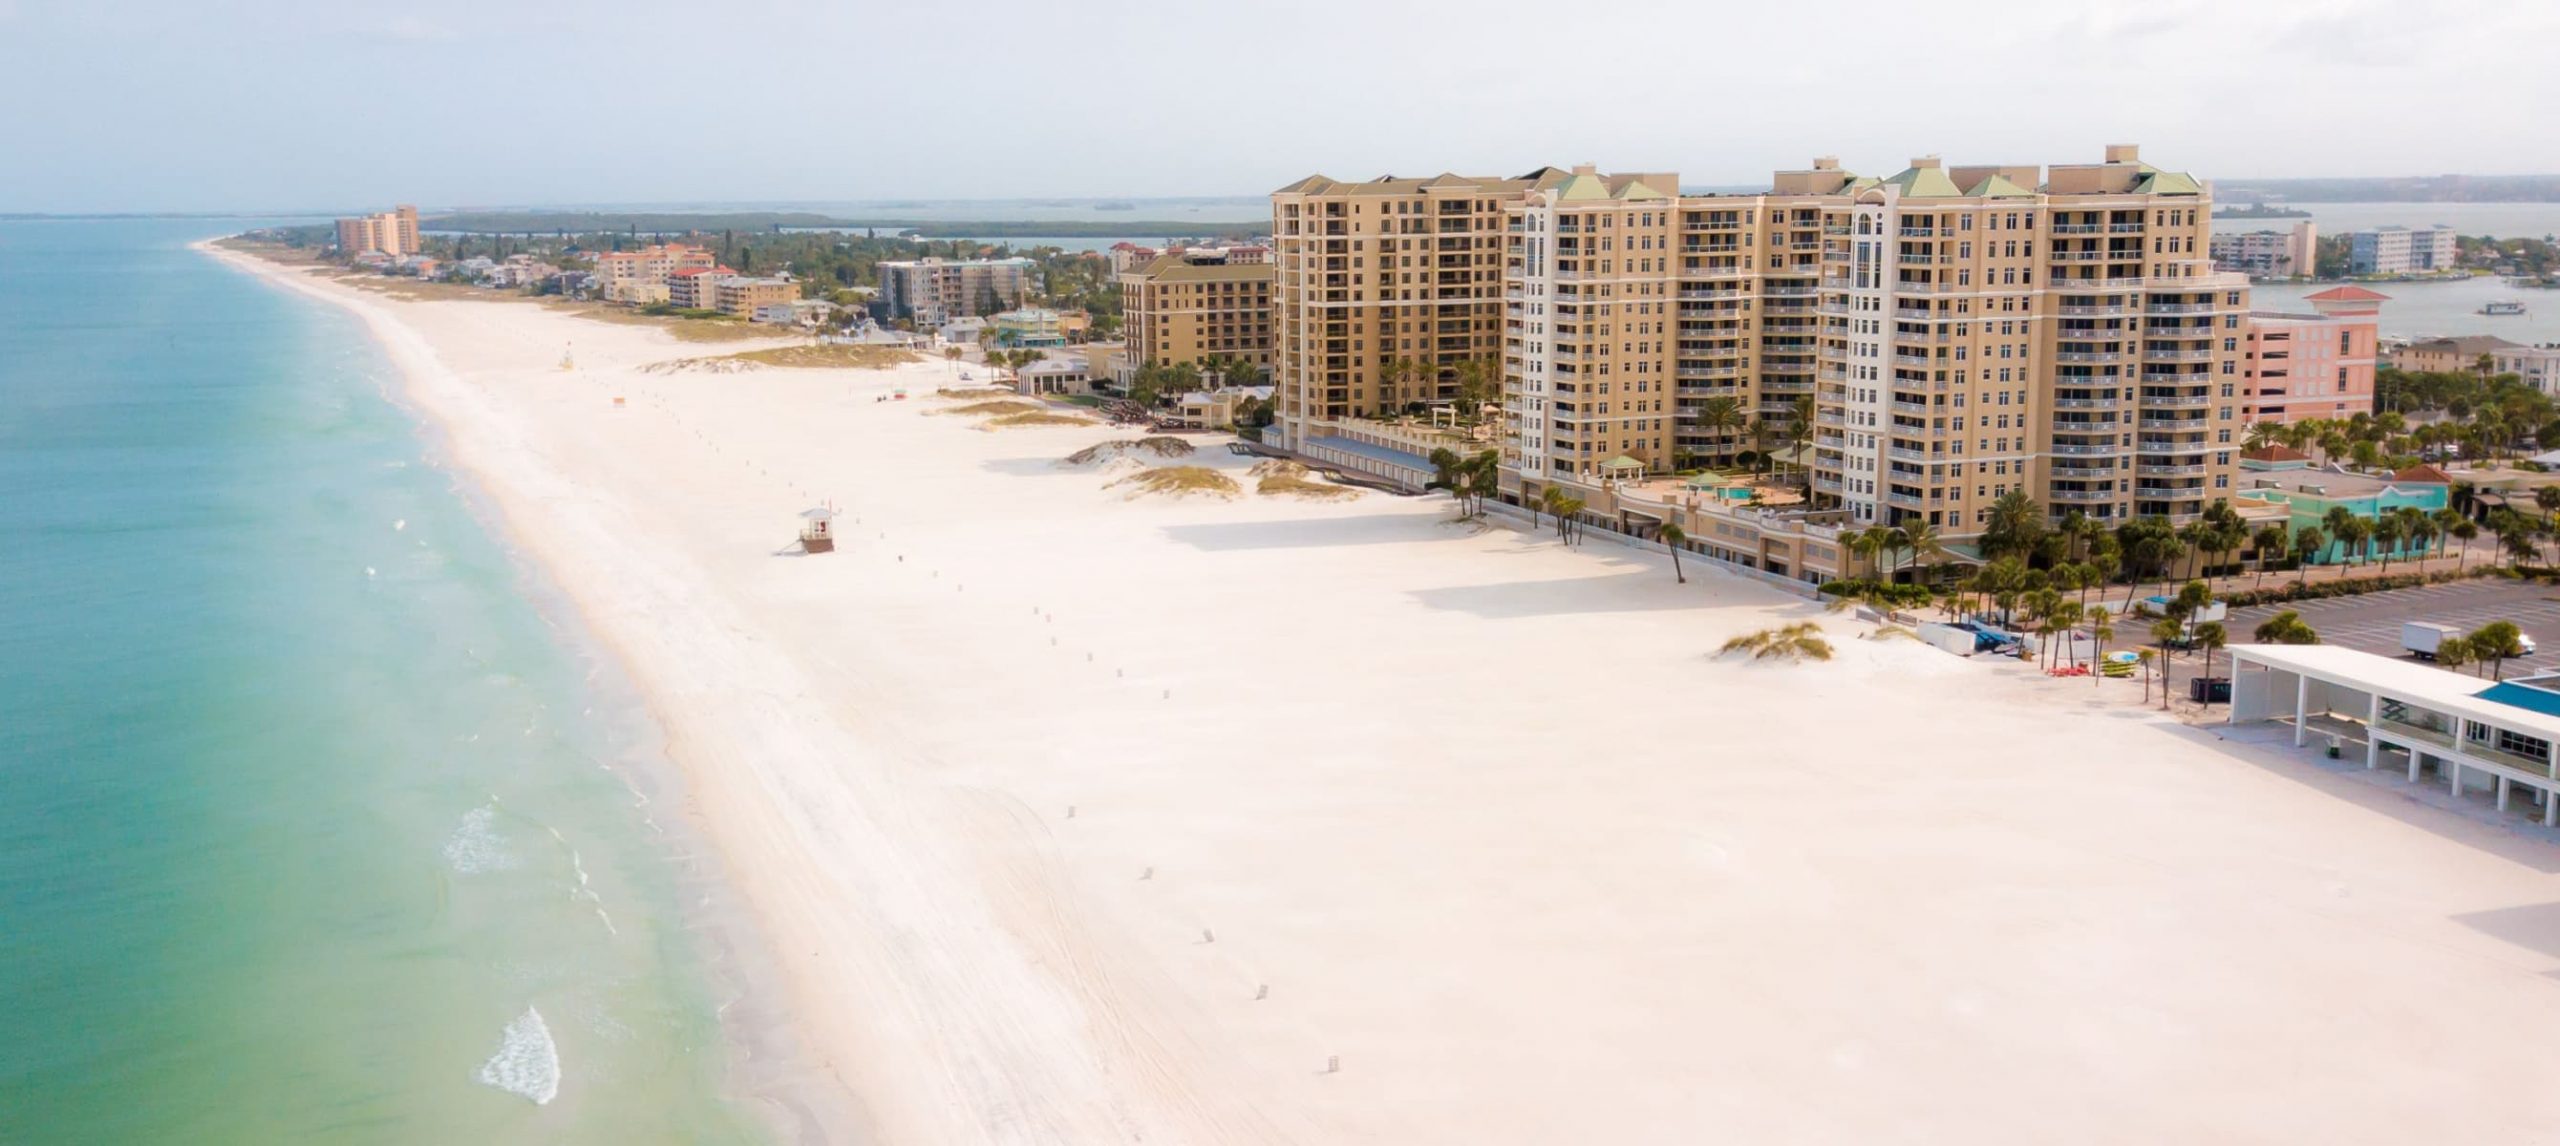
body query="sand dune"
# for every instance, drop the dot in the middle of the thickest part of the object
(1083, 819)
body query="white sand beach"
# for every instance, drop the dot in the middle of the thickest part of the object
(1035, 788)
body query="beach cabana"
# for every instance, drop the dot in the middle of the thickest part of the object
(1622, 467)
(817, 530)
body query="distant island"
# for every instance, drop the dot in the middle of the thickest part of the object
(2261, 211)
(1116, 205)
(2398, 189)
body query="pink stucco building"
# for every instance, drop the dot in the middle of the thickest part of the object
(2317, 365)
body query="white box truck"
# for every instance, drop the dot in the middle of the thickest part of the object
(2425, 637)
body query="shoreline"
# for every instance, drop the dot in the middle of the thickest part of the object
(764, 1061)
(1073, 817)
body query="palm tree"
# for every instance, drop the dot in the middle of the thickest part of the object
(2387, 531)
(2164, 631)
(2066, 617)
(2453, 655)
(1565, 509)
(2464, 531)
(2285, 628)
(2353, 535)
(1865, 543)
(2494, 643)
(1921, 537)
(2338, 521)
(1896, 539)
(2261, 435)
(1799, 434)
(2515, 535)
(2308, 543)
(1396, 372)
(2421, 527)
(2210, 636)
(1478, 378)
(2016, 524)
(2269, 541)
(1719, 417)
(2100, 633)
(1673, 536)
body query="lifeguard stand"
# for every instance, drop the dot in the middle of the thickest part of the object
(817, 530)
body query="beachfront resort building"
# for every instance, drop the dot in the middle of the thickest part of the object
(641, 275)
(934, 291)
(393, 232)
(1962, 332)
(2401, 250)
(1403, 273)
(2491, 741)
(1190, 305)
(2291, 253)
(738, 296)
(697, 288)
(2316, 365)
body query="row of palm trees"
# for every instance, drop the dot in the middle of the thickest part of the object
(2483, 415)
(1729, 422)
(1410, 380)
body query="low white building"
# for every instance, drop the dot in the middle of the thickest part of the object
(1055, 376)
(2473, 735)
(2538, 366)
(796, 312)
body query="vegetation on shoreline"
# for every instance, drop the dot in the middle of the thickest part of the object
(563, 223)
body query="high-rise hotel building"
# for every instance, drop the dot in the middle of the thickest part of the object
(1961, 332)
(1372, 276)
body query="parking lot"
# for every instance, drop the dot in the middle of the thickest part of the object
(2371, 622)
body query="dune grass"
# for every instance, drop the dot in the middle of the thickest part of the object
(1038, 418)
(828, 356)
(973, 392)
(1300, 485)
(1179, 481)
(1801, 641)
(684, 329)
(1160, 446)
(992, 409)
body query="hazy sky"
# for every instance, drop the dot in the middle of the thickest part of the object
(204, 105)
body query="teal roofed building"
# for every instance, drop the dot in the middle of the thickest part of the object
(2281, 477)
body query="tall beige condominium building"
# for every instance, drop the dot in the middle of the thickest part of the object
(1963, 332)
(1382, 274)
(392, 232)
(1188, 305)
(935, 291)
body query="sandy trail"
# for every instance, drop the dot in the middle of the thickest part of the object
(1479, 813)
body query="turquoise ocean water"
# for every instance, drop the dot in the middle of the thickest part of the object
(317, 821)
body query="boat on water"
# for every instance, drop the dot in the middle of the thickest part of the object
(2503, 306)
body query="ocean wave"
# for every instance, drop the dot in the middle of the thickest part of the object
(476, 846)
(527, 1063)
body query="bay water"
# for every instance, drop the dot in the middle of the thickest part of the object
(319, 821)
